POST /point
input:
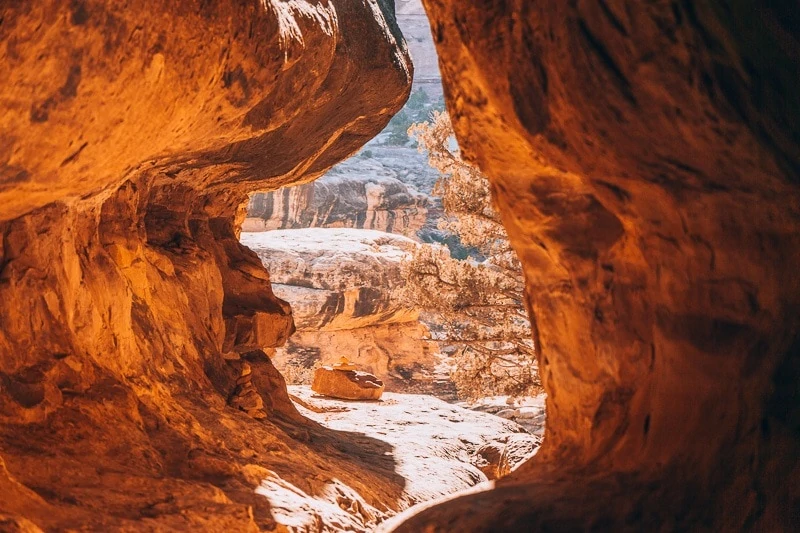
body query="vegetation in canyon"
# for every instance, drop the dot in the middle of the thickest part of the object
(477, 307)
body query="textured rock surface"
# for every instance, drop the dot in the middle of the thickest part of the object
(644, 156)
(342, 284)
(499, 457)
(385, 186)
(346, 384)
(413, 21)
(372, 200)
(129, 312)
(396, 353)
(336, 279)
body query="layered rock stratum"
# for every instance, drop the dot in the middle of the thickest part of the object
(343, 286)
(129, 312)
(645, 157)
(386, 186)
(368, 199)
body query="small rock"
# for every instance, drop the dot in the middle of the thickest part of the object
(487, 459)
(498, 458)
(508, 413)
(347, 384)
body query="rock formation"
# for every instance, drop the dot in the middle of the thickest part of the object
(501, 456)
(347, 384)
(132, 135)
(645, 158)
(341, 200)
(342, 286)
(385, 186)
(430, 441)
(412, 19)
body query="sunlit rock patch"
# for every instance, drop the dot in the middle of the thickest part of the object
(342, 285)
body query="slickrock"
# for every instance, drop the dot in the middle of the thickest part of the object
(346, 384)
(500, 457)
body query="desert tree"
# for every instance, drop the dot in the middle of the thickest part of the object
(475, 307)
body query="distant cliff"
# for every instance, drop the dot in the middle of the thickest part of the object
(416, 28)
(368, 200)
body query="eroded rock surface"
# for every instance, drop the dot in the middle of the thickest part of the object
(342, 285)
(337, 278)
(129, 312)
(645, 159)
(346, 384)
(502, 455)
(433, 443)
(371, 200)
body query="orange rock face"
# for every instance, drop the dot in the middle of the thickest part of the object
(129, 312)
(346, 384)
(645, 158)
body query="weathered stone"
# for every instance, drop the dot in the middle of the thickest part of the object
(498, 458)
(365, 201)
(336, 279)
(342, 286)
(248, 399)
(132, 135)
(347, 384)
(645, 164)
(487, 459)
(518, 448)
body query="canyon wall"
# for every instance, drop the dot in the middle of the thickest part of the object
(372, 200)
(343, 286)
(135, 387)
(413, 20)
(645, 159)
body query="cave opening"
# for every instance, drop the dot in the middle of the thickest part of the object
(643, 157)
(396, 264)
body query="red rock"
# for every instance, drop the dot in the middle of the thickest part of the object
(132, 134)
(347, 384)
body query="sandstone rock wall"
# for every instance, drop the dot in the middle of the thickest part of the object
(338, 200)
(413, 20)
(343, 286)
(132, 135)
(645, 158)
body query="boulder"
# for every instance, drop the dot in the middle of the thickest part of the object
(487, 458)
(346, 384)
